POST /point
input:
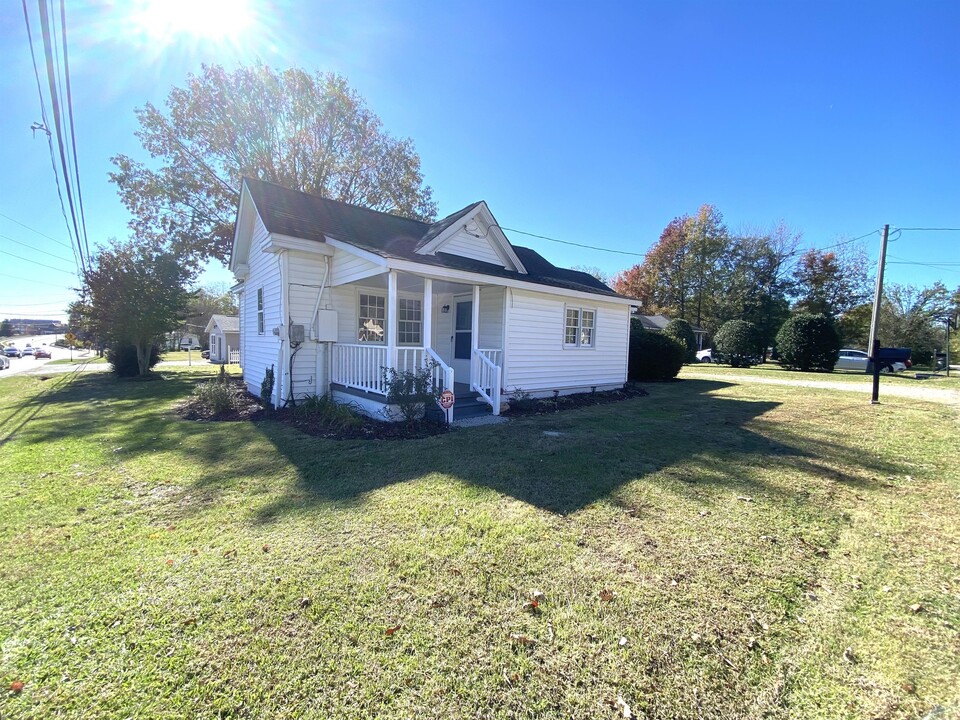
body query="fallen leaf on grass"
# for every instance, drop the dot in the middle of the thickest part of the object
(537, 596)
(623, 642)
(519, 639)
(232, 551)
(606, 595)
(305, 602)
(170, 561)
(16, 686)
(916, 607)
(532, 606)
(266, 548)
(848, 655)
(744, 498)
(908, 687)
(621, 706)
(392, 630)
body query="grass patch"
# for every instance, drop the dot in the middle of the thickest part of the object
(710, 550)
(773, 370)
(80, 360)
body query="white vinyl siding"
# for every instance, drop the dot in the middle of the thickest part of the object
(466, 245)
(260, 350)
(305, 275)
(491, 318)
(348, 268)
(536, 359)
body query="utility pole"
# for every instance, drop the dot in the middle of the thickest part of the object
(875, 322)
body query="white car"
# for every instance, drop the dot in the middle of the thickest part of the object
(705, 355)
(852, 360)
(4, 363)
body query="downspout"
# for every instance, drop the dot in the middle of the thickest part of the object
(321, 356)
(279, 380)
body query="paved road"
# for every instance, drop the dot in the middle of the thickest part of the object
(930, 394)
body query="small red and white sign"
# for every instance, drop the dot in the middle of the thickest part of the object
(447, 399)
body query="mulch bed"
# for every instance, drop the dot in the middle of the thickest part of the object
(249, 408)
(548, 406)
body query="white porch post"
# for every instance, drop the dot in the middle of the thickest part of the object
(392, 310)
(427, 313)
(475, 332)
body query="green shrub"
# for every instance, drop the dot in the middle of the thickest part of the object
(520, 399)
(653, 356)
(326, 411)
(738, 342)
(412, 391)
(808, 342)
(123, 359)
(217, 396)
(266, 388)
(680, 330)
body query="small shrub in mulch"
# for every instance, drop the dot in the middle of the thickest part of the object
(365, 429)
(222, 400)
(523, 404)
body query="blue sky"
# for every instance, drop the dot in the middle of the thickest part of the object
(590, 123)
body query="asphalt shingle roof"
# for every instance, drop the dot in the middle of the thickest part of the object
(299, 214)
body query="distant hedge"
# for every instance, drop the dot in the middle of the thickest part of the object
(653, 356)
(738, 342)
(681, 331)
(808, 342)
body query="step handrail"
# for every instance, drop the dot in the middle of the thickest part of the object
(487, 375)
(447, 377)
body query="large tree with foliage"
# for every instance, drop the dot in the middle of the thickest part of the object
(831, 282)
(6, 328)
(133, 293)
(307, 132)
(913, 317)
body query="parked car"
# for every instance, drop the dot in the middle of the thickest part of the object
(188, 346)
(705, 355)
(205, 354)
(851, 359)
(27, 351)
(12, 351)
(4, 363)
(41, 353)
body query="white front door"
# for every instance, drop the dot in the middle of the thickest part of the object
(462, 339)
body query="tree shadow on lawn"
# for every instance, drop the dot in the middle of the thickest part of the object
(597, 451)
(560, 463)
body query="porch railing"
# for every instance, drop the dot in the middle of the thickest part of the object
(486, 376)
(358, 366)
(361, 366)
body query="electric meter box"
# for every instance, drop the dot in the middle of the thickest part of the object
(326, 326)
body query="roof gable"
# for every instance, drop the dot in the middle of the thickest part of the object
(473, 233)
(300, 215)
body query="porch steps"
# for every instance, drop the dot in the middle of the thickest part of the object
(467, 404)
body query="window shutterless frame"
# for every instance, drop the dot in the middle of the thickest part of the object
(579, 327)
(260, 323)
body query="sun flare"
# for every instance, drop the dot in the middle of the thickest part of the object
(170, 21)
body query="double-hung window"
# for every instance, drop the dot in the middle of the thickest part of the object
(579, 327)
(260, 324)
(371, 318)
(409, 321)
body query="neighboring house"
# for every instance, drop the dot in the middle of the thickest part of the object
(656, 323)
(182, 341)
(331, 293)
(224, 332)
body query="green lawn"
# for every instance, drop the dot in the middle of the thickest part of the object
(712, 550)
(80, 360)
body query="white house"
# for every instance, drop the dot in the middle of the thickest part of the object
(331, 293)
(224, 332)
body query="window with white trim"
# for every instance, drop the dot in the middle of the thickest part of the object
(260, 324)
(579, 326)
(409, 321)
(371, 318)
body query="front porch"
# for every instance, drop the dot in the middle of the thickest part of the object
(406, 321)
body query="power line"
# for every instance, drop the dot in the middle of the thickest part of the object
(73, 138)
(59, 242)
(31, 247)
(35, 262)
(78, 256)
(567, 242)
(58, 124)
(921, 229)
(30, 280)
